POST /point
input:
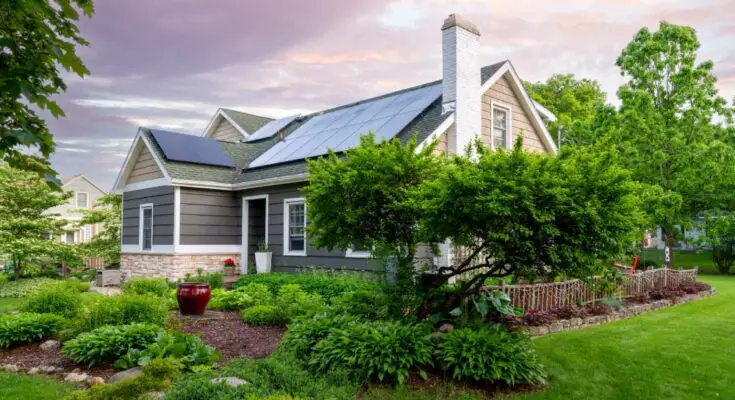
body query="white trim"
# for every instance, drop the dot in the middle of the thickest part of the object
(509, 123)
(129, 162)
(76, 201)
(281, 180)
(177, 217)
(286, 220)
(443, 127)
(527, 103)
(146, 184)
(214, 123)
(156, 249)
(544, 112)
(246, 225)
(86, 179)
(349, 253)
(141, 220)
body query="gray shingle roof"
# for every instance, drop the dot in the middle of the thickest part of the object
(243, 154)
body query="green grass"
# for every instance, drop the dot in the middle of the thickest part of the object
(10, 304)
(683, 352)
(684, 259)
(26, 387)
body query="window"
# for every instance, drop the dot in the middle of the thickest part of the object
(501, 128)
(358, 250)
(82, 200)
(146, 226)
(295, 227)
(88, 233)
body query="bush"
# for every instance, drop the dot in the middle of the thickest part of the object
(186, 351)
(198, 388)
(259, 293)
(72, 285)
(230, 300)
(568, 312)
(152, 286)
(598, 309)
(84, 275)
(108, 343)
(382, 351)
(264, 315)
(3, 279)
(295, 302)
(666, 293)
(215, 280)
(369, 304)
(156, 376)
(490, 354)
(123, 310)
(24, 287)
(694, 288)
(23, 328)
(640, 298)
(537, 318)
(55, 299)
(327, 285)
(303, 335)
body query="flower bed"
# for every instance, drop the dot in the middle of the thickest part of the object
(540, 323)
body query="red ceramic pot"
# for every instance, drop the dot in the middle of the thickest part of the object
(193, 297)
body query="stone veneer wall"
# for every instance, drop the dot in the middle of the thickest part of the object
(172, 266)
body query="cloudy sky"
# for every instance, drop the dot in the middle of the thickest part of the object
(172, 63)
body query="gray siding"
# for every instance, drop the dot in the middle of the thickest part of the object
(162, 199)
(315, 257)
(210, 217)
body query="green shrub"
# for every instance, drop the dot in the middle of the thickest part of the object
(490, 354)
(3, 279)
(215, 280)
(108, 343)
(152, 286)
(187, 351)
(382, 351)
(55, 299)
(369, 304)
(260, 294)
(84, 275)
(22, 328)
(327, 285)
(303, 335)
(198, 388)
(295, 302)
(122, 310)
(156, 376)
(264, 315)
(73, 285)
(230, 300)
(24, 287)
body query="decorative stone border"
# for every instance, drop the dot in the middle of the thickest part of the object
(622, 313)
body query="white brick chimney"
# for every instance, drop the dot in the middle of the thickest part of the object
(461, 79)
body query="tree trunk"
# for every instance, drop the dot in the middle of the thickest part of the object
(669, 242)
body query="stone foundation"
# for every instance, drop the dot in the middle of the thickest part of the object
(172, 266)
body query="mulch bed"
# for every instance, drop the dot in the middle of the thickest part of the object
(30, 356)
(228, 334)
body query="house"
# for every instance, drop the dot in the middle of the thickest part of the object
(85, 195)
(190, 202)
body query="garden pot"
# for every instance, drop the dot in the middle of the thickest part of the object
(263, 262)
(193, 297)
(230, 270)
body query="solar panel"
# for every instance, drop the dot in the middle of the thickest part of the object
(340, 129)
(271, 128)
(181, 147)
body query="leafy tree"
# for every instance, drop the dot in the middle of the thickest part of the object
(37, 37)
(365, 197)
(107, 213)
(719, 233)
(575, 102)
(666, 129)
(25, 225)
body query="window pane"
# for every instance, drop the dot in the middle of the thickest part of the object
(296, 225)
(147, 228)
(500, 128)
(81, 200)
(297, 244)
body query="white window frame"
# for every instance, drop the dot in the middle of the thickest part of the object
(76, 200)
(350, 253)
(286, 228)
(509, 125)
(146, 206)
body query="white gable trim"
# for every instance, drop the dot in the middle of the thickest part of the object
(86, 179)
(129, 163)
(443, 127)
(214, 123)
(527, 103)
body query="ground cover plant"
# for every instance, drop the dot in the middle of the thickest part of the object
(23, 287)
(109, 343)
(22, 328)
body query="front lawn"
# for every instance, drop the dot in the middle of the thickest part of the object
(684, 352)
(682, 259)
(27, 387)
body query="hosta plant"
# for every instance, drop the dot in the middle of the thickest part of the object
(23, 328)
(108, 343)
(187, 351)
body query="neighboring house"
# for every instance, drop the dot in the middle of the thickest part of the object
(190, 202)
(85, 195)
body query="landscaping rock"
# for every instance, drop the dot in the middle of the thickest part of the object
(230, 380)
(50, 345)
(446, 328)
(556, 327)
(128, 373)
(575, 321)
(76, 370)
(96, 380)
(76, 377)
(156, 395)
(34, 371)
(50, 369)
(10, 368)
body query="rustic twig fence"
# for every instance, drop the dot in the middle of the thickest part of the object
(547, 296)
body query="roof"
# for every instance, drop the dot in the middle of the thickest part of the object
(69, 179)
(242, 154)
(249, 122)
